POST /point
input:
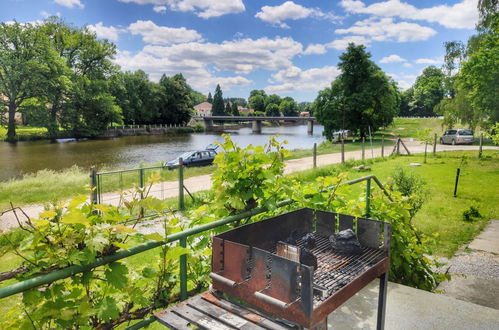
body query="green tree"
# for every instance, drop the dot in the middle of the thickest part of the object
(196, 97)
(228, 109)
(256, 100)
(218, 108)
(428, 92)
(288, 107)
(361, 97)
(174, 100)
(25, 58)
(235, 109)
(210, 98)
(272, 109)
(272, 99)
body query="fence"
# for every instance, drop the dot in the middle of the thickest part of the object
(181, 237)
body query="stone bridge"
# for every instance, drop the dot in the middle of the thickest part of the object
(256, 121)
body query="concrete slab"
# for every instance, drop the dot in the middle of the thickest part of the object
(488, 240)
(409, 308)
(477, 290)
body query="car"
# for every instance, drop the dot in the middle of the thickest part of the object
(193, 158)
(457, 136)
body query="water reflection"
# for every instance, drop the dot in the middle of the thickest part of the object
(131, 151)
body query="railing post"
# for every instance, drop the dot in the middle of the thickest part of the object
(315, 155)
(180, 184)
(141, 184)
(363, 148)
(368, 197)
(183, 270)
(481, 144)
(435, 144)
(93, 185)
(382, 146)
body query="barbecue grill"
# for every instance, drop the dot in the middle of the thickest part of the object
(248, 263)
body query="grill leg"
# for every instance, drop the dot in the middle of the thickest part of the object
(321, 325)
(383, 283)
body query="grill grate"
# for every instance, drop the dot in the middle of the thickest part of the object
(334, 271)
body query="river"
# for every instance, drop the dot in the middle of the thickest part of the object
(128, 152)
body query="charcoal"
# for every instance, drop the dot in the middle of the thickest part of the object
(309, 240)
(345, 242)
(308, 258)
(293, 237)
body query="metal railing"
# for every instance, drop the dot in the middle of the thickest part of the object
(181, 237)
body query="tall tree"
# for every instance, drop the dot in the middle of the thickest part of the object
(210, 98)
(272, 109)
(288, 107)
(235, 110)
(175, 103)
(25, 58)
(218, 108)
(361, 97)
(429, 90)
(256, 100)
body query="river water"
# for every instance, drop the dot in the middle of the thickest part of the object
(129, 152)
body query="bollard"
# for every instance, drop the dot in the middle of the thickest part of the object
(382, 146)
(315, 155)
(180, 184)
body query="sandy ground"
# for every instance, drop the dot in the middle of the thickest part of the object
(168, 189)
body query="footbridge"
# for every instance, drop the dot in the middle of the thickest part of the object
(256, 121)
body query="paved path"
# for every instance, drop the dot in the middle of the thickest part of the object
(168, 189)
(475, 270)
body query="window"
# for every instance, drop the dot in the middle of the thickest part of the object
(466, 132)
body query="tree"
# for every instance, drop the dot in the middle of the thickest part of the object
(210, 98)
(228, 109)
(428, 92)
(272, 99)
(272, 110)
(235, 110)
(361, 97)
(175, 103)
(25, 57)
(218, 108)
(256, 100)
(288, 107)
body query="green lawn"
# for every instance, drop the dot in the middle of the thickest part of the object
(25, 132)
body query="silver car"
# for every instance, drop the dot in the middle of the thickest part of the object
(457, 136)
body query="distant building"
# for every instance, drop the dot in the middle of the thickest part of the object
(244, 111)
(203, 109)
(305, 114)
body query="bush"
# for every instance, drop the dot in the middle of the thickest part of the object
(472, 213)
(411, 186)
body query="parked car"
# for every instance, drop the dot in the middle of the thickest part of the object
(193, 158)
(457, 136)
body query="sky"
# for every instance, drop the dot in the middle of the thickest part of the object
(290, 48)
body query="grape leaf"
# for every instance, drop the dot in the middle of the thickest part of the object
(116, 275)
(108, 309)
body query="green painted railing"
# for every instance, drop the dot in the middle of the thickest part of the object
(180, 236)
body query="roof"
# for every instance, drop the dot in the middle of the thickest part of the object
(203, 107)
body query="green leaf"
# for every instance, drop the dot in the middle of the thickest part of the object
(116, 275)
(175, 252)
(75, 217)
(108, 309)
(77, 201)
(48, 214)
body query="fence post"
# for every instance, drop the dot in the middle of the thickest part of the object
(457, 181)
(435, 144)
(315, 155)
(481, 144)
(141, 184)
(382, 146)
(363, 148)
(183, 270)
(180, 183)
(368, 197)
(93, 185)
(342, 149)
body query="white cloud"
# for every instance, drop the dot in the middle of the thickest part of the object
(45, 14)
(392, 59)
(162, 35)
(315, 49)
(107, 32)
(434, 61)
(385, 29)
(403, 85)
(342, 44)
(407, 65)
(202, 8)
(69, 3)
(295, 79)
(462, 15)
(290, 11)
(198, 60)
(159, 9)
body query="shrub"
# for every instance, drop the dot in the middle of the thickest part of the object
(411, 186)
(472, 213)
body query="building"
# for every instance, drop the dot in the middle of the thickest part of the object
(244, 111)
(203, 109)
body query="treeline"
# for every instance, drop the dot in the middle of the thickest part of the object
(62, 78)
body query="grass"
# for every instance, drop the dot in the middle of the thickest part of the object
(25, 132)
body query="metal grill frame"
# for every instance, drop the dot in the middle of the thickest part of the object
(245, 267)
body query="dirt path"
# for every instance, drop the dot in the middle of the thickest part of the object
(168, 189)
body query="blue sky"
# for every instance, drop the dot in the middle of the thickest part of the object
(290, 48)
